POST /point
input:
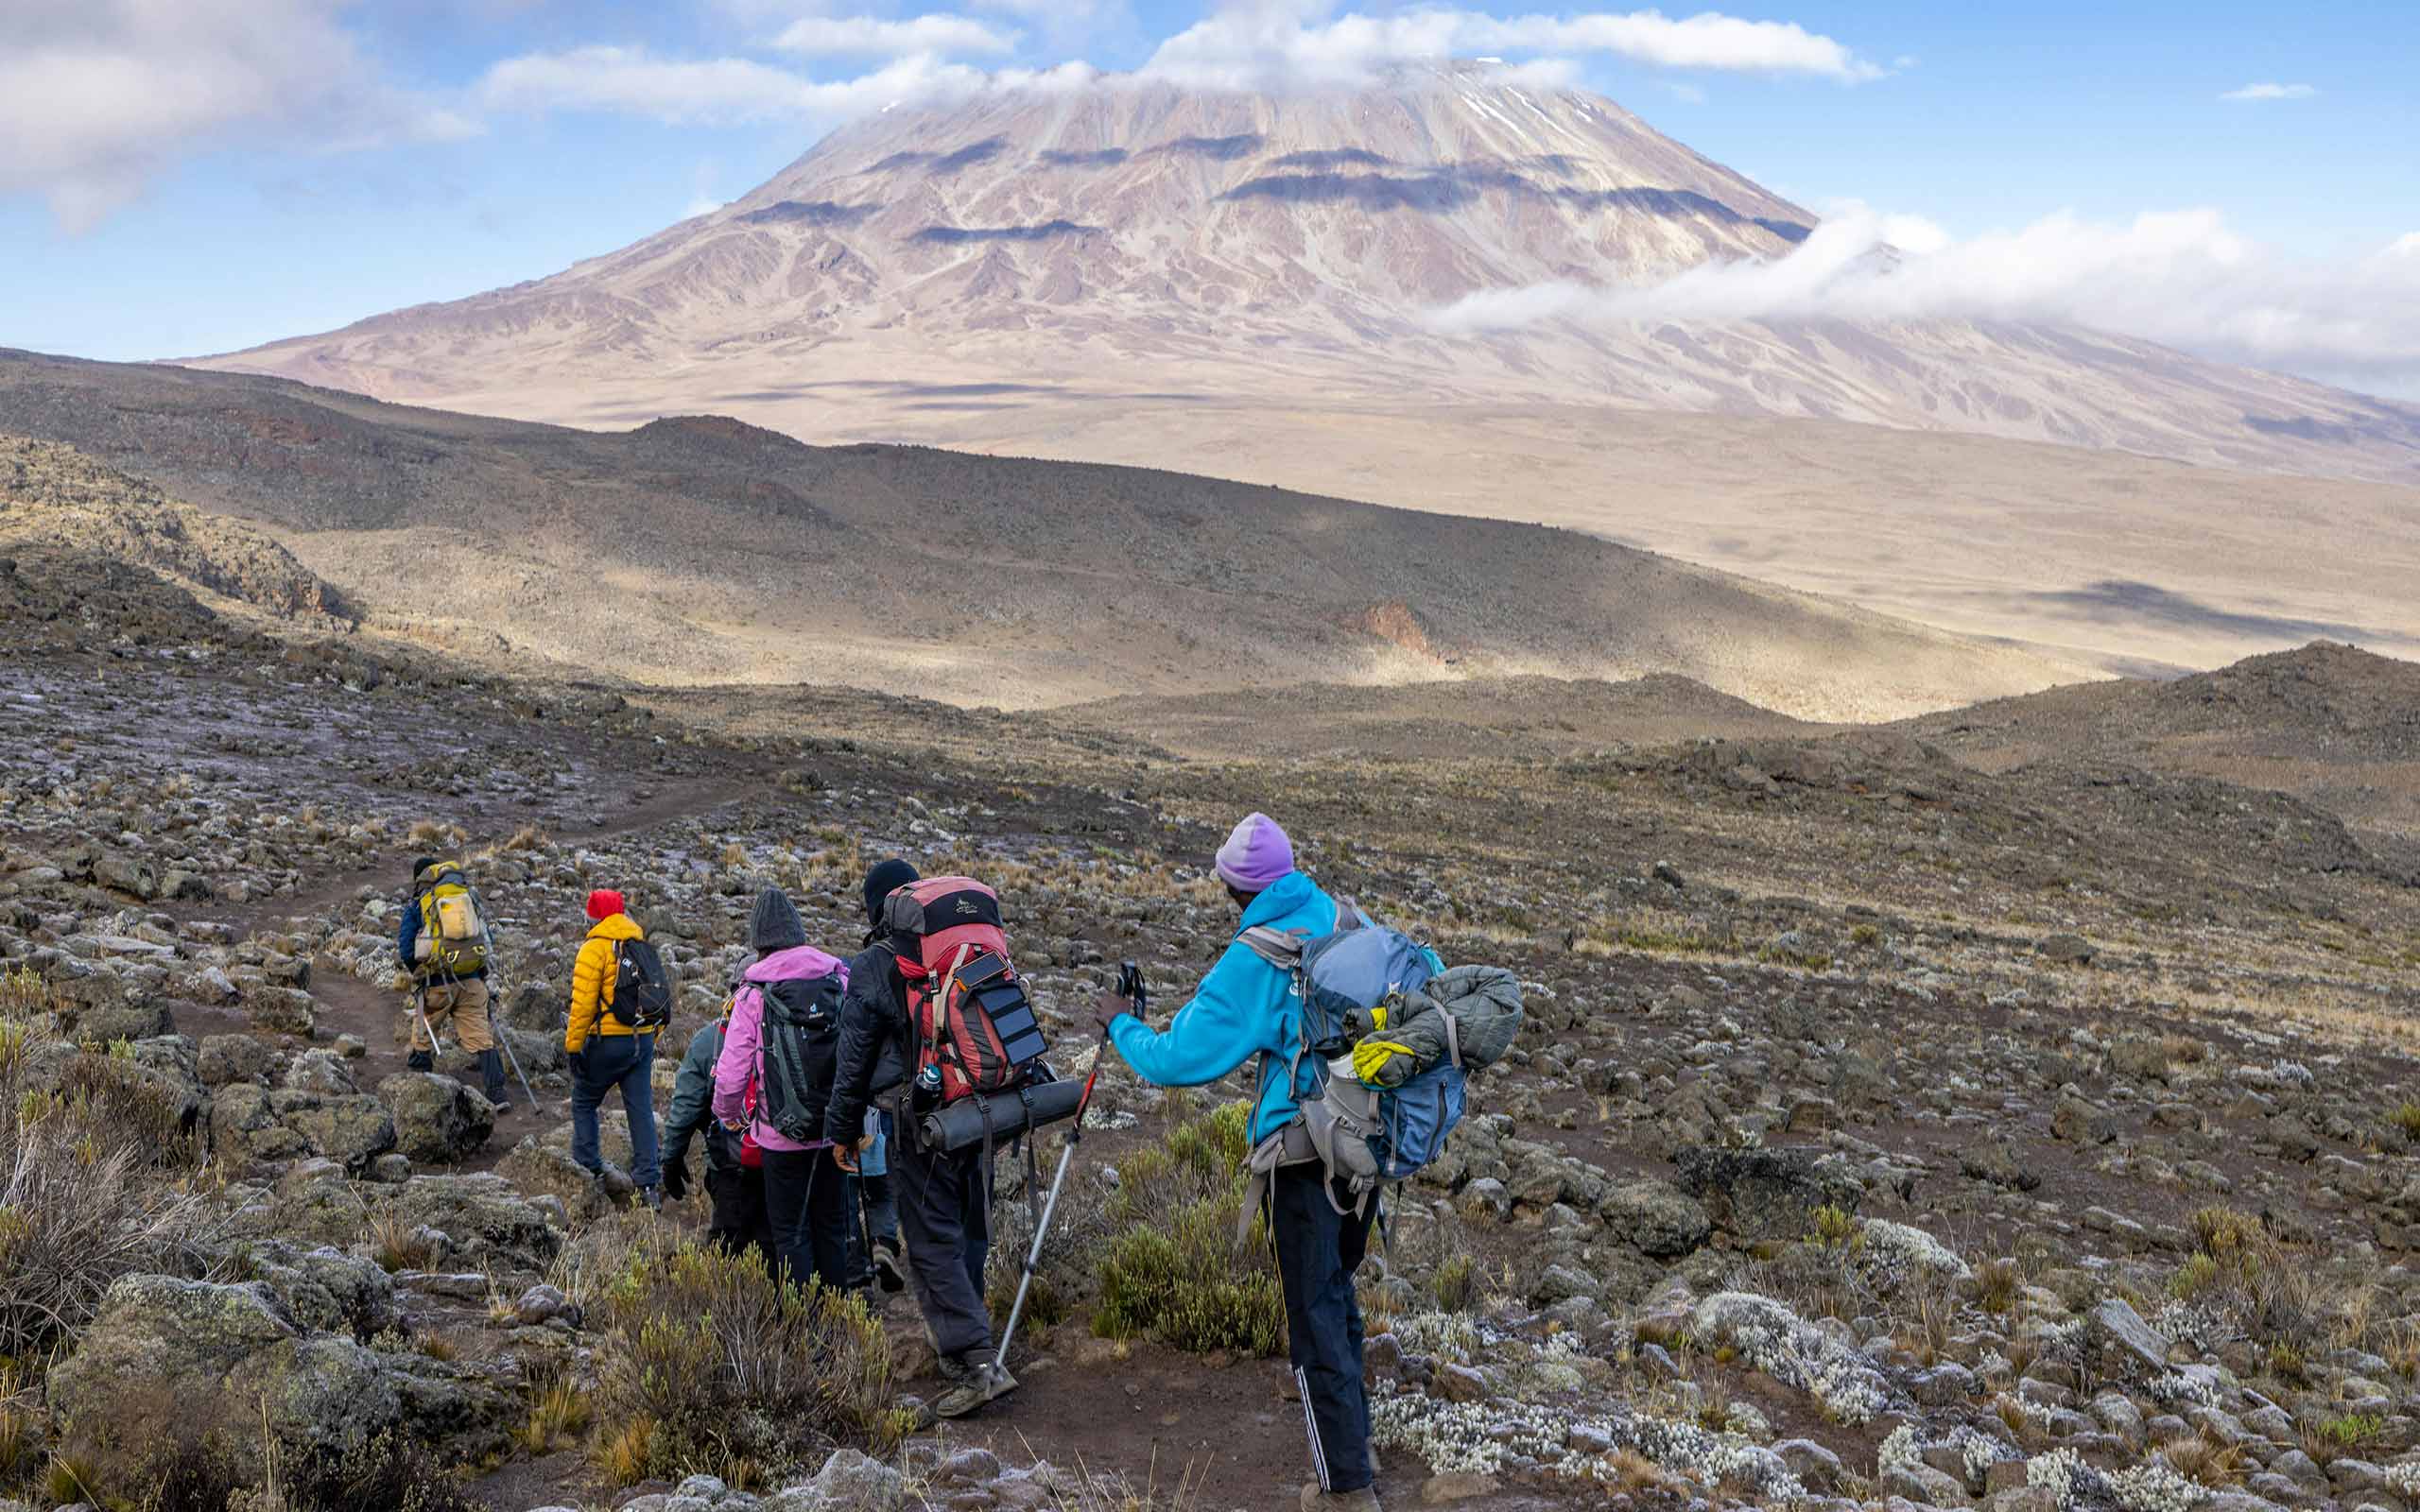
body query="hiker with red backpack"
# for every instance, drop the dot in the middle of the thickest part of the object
(918, 1026)
(772, 1081)
(620, 998)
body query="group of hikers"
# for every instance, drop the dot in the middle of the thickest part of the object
(809, 1091)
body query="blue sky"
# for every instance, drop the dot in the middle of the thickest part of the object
(184, 176)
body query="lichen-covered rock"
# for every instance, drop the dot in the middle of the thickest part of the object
(487, 1221)
(233, 1057)
(173, 1362)
(849, 1479)
(1766, 1194)
(1656, 1218)
(350, 1131)
(326, 1288)
(438, 1120)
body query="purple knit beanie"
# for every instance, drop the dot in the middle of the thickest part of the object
(1256, 855)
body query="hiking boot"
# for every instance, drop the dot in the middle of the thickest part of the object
(890, 1271)
(954, 1370)
(420, 1060)
(1314, 1499)
(653, 1198)
(983, 1382)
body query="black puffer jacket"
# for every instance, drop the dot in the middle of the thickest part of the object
(872, 1051)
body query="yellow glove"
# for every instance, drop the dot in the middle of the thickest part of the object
(1378, 1016)
(1369, 1059)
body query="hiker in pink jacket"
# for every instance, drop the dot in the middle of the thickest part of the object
(774, 1077)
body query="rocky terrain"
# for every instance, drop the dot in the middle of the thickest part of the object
(701, 550)
(1897, 1124)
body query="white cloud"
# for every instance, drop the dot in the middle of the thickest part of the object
(2254, 93)
(730, 91)
(98, 97)
(706, 91)
(2179, 278)
(1296, 41)
(871, 37)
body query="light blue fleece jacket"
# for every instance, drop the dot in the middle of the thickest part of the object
(1245, 1006)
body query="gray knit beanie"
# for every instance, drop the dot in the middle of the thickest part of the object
(774, 925)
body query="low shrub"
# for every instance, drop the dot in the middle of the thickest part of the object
(91, 1188)
(732, 1371)
(1170, 1270)
(1455, 1283)
(1185, 1287)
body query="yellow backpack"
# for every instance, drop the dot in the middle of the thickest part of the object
(453, 937)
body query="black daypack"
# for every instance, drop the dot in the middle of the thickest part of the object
(642, 993)
(801, 1026)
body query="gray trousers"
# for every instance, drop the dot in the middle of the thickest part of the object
(948, 1232)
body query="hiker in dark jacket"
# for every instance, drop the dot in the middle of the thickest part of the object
(1247, 1007)
(735, 1170)
(444, 1002)
(803, 1195)
(941, 1195)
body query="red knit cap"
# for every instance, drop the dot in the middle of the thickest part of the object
(604, 903)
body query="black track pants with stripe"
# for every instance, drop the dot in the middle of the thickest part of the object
(1318, 1251)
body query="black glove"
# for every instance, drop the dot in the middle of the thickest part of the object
(1109, 1007)
(676, 1177)
(579, 1061)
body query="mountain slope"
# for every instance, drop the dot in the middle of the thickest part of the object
(1128, 241)
(701, 550)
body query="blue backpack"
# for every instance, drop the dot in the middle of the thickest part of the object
(1366, 1137)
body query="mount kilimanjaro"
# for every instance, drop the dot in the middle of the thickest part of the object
(1152, 245)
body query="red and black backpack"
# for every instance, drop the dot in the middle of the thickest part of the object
(967, 1008)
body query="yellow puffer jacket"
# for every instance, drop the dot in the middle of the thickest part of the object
(591, 983)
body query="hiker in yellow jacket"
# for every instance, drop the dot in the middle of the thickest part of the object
(607, 1052)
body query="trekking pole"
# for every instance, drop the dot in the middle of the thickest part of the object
(505, 1045)
(1130, 986)
(419, 1006)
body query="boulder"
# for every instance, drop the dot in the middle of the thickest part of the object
(325, 1288)
(233, 1057)
(2129, 1347)
(172, 1364)
(351, 1131)
(849, 1480)
(438, 1120)
(137, 1018)
(321, 1071)
(487, 1222)
(1765, 1193)
(1656, 1218)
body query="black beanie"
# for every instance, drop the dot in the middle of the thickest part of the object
(776, 924)
(420, 865)
(885, 879)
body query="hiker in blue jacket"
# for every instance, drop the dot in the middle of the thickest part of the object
(1247, 1007)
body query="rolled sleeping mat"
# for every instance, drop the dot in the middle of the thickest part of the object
(961, 1123)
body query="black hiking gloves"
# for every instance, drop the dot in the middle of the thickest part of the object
(1110, 1007)
(676, 1177)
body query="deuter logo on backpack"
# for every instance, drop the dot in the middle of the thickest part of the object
(641, 993)
(799, 1023)
(453, 939)
(976, 1030)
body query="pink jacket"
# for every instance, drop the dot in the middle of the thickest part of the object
(743, 1042)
